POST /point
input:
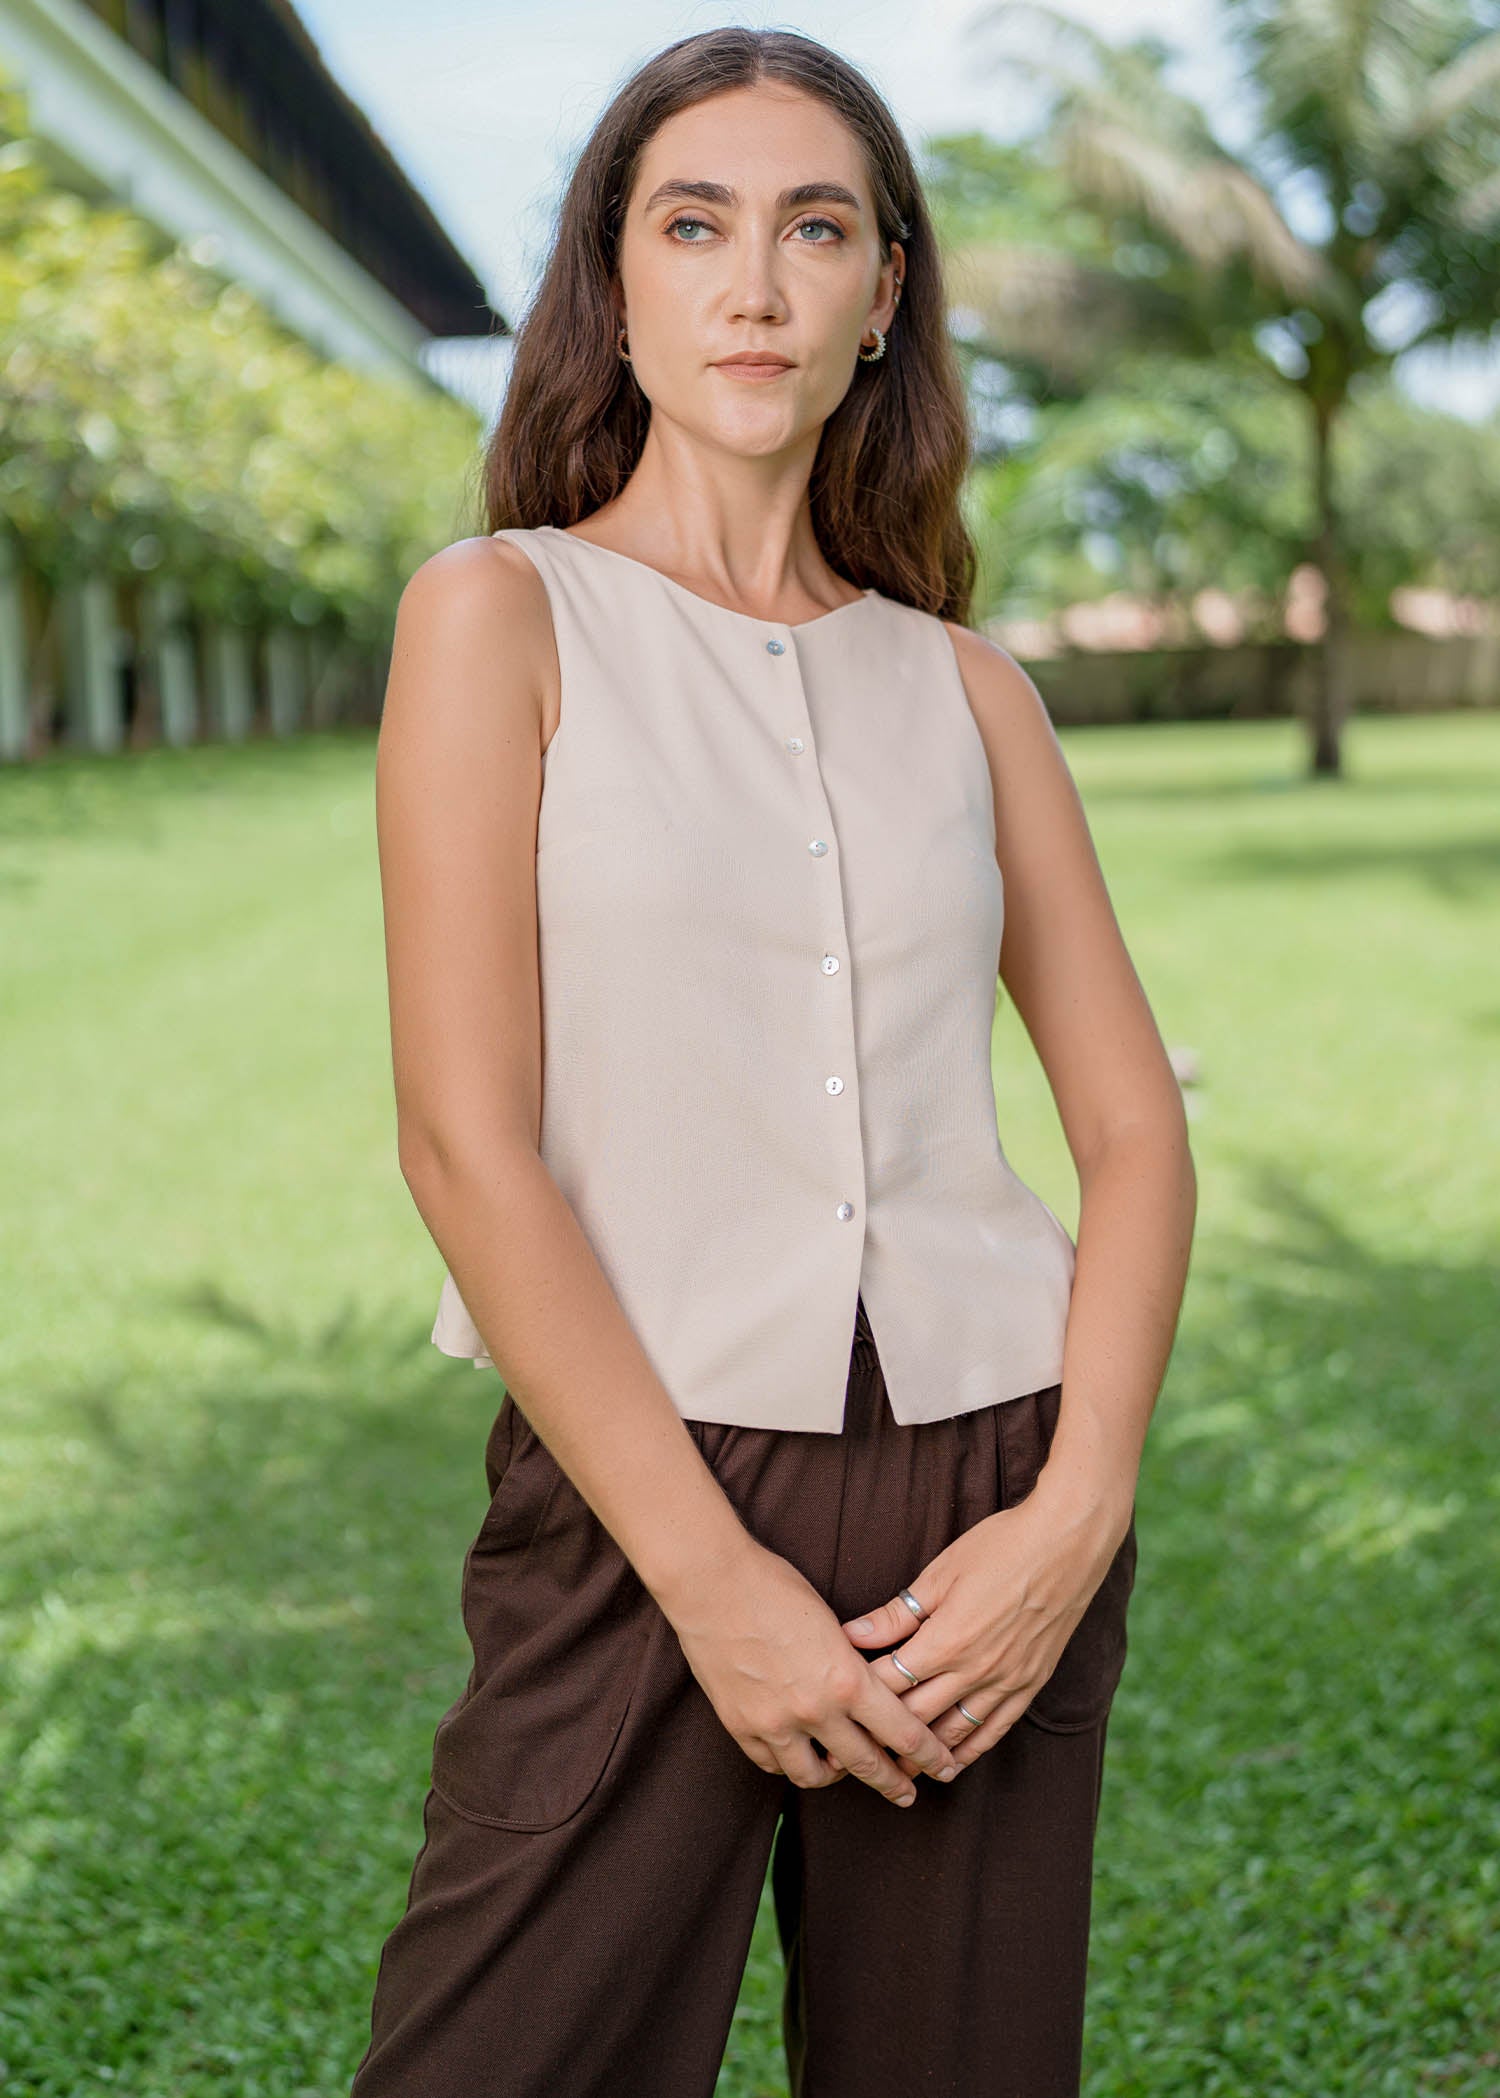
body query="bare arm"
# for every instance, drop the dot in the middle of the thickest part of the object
(458, 787)
(1005, 1596)
(1065, 963)
(458, 791)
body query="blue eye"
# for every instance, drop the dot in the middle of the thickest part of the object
(837, 231)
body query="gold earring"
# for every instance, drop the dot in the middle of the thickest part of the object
(620, 341)
(874, 356)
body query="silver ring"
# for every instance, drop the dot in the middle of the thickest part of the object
(897, 1662)
(911, 1603)
(962, 1708)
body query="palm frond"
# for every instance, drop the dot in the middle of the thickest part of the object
(1479, 210)
(1063, 318)
(1126, 140)
(1467, 83)
(1211, 208)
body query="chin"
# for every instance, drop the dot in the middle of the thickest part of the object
(763, 426)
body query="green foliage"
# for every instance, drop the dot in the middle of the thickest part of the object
(154, 416)
(1180, 477)
(1168, 336)
(1184, 475)
(1421, 498)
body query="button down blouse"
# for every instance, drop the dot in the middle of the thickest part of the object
(769, 916)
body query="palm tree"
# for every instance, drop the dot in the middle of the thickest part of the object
(1374, 125)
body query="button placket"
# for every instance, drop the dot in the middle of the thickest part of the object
(840, 1072)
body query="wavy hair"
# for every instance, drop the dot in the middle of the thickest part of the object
(886, 483)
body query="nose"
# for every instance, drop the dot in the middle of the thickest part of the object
(754, 293)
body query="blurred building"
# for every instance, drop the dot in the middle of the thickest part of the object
(217, 120)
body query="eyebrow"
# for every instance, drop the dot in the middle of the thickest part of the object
(721, 193)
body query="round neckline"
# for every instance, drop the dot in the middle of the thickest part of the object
(695, 597)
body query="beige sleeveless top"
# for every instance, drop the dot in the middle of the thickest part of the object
(769, 918)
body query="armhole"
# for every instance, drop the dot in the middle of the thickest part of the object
(969, 729)
(523, 537)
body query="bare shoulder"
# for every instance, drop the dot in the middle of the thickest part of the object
(1001, 693)
(473, 651)
(478, 591)
(483, 569)
(1026, 759)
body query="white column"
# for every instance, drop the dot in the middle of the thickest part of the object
(168, 640)
(230, 679)
(330, 677)
(90, 658)
(286, 678)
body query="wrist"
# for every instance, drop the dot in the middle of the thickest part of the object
(681, 1569)
(1085, 1500)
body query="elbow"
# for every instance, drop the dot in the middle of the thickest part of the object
(434, 1161)
(420, 1162)
(1158, 1137)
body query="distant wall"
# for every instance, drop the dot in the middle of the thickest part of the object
(1395, 673)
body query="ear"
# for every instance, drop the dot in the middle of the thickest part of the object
(898, 258)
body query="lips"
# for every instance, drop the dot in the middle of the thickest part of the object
(753, 366)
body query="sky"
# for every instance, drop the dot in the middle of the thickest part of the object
(484, 103)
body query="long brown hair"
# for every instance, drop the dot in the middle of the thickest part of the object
(886, 482)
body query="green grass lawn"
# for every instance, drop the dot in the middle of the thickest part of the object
(238, 1483)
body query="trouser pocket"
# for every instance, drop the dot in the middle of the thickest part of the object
(557, 1619)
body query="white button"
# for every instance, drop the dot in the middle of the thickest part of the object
(817, 845)
(795, 744)
(776, 648)
(846, 1210)
(830, 965)
(834, 1085)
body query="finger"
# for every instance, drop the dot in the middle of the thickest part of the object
(935, 1700)
(920, 1655)
(995, 1721)
(937, 1687)
(902, 1763)
(802, 1763)
(926, 1676)
(896, 1726)
(861, 1756)
(891, 1621)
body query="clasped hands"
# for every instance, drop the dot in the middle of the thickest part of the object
(1001, 1602)
(794, 1688)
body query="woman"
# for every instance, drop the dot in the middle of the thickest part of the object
(700, 810)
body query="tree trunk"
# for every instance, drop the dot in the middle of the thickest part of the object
(44, 662)
(1331, 694)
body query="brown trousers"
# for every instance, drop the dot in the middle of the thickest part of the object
(596, 1842)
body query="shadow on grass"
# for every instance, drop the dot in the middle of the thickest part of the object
(228, 1650)
(227, 1656)
(1299, 1882)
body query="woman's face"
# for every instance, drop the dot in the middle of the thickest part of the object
(751, 228)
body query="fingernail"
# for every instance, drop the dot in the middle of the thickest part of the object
(950, 1773)
(906, 1799)
(857, 1625)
